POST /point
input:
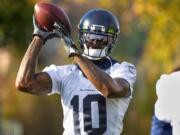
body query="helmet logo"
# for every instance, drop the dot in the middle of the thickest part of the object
(99, 28)
(111, 30)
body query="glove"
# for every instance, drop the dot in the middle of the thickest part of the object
(70, 47)
(69, 44)
(44, 35)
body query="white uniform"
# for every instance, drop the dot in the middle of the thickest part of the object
(167, 106)
(86, 110)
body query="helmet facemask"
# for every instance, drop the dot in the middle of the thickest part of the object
(96, 46)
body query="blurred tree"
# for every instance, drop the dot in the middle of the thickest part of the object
(163, 41)
(15, 22)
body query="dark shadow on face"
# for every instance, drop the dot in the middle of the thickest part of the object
(95, 45)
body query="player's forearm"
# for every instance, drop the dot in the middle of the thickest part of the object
(27, 67)
(102, 81)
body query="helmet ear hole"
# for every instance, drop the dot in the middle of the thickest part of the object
(80, 40)
(109, 49)
(114, 39)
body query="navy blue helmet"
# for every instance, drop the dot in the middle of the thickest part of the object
(98, 31)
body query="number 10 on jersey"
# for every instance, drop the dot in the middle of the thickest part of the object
(87, 114)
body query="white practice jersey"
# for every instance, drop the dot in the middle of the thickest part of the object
(86, 110)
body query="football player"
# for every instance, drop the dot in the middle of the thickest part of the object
(96, 90)
(166, 120)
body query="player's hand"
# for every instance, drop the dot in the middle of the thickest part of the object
(70, 47)
(44, 35)
(69, 44)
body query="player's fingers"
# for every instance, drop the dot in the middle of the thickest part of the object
(58, 33)
(34, 22)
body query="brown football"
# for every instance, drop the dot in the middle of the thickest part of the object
(46, 14)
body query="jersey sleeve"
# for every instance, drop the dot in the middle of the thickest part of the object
(125, 71)
(57, 74)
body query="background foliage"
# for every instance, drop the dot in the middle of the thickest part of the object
(149, 38)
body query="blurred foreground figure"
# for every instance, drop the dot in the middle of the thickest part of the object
(166, 120)
(96, 90)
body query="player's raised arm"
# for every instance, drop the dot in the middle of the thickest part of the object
(46, 19)
(27, 80)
